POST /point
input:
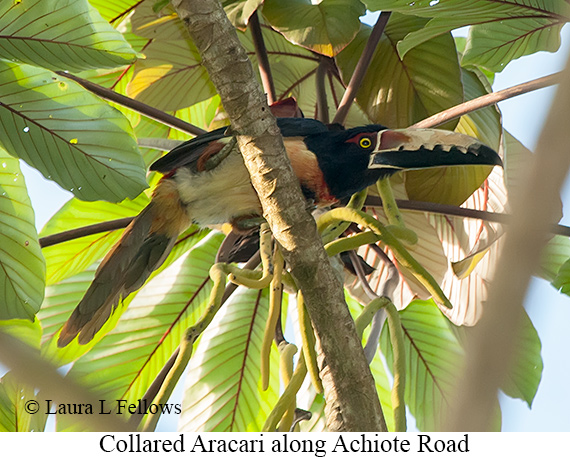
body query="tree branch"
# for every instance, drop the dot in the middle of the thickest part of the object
(87, 230)
(489, 347)
(371, 200)
(361, 67)
(352, 401)
(262, 59)
(487, 100)
(450, 210)
(322, 103)
(135, 105)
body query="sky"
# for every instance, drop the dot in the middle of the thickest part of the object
(549, 310)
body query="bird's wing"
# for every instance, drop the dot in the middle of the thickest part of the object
(189, 152)
(192, 152)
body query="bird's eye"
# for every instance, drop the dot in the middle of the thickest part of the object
(365, 143)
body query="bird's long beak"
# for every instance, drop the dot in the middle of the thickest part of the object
(414, 149)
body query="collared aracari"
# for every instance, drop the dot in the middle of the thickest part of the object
(205, 181)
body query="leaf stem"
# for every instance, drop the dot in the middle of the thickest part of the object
(322, 103)
(487, 100)
(262, 59)
(135, 105)
(87, 230)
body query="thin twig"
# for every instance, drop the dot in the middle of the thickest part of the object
(80, 232)
(154, 388)
(487, 100)
(450, 210)
(262, 59)
(361, 67)
(437, 208)
(135, 105)
(322, 103)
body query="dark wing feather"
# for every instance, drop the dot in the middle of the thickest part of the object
(190, 151)
(296, 126)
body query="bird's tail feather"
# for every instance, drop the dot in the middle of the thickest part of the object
(144, 246)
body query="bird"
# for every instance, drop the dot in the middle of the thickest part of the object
(205, 181)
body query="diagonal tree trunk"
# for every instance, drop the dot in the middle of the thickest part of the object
(352, 400)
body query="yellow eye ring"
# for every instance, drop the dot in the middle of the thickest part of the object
(365, 143)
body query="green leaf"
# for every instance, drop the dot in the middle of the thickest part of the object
(22, 266)
(71, 257)
(453, 185)
(63, 297)
(325, 27)
(526, 366)
(13, 394)
(169, 66)
(562, 279)
(434, 358)
(29, 332)
(124, 363)
(223, 389)
(14, 416)
(115, 10)
(493, 45)
(555, 255)
(398, 92)
(512, 28)
(171, 76)
(293, 68)
(64, 35)
(239, 11)
(68, 134)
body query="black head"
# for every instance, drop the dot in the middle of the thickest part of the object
(344, 157)
(356, 158)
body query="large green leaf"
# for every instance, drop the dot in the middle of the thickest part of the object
(68, 134)
(562, 278)
(434, 358)
(453, 185)
(125, 362)
(398, 92)
(60, 35)
(325, 27)
(171, 76)
(223, 388)
(71, 257)
(162, 80)
(63, 297)
(494, 45)
(512, 28)
(22, 266)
